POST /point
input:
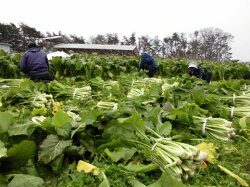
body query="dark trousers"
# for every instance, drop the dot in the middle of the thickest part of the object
(152, 72)
(46, 77)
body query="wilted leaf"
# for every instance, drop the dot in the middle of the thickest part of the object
(239, 179)
(208, 148)
(87, 168)
(51, 148)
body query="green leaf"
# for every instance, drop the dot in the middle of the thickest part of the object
(48, 125)
(61, 118)
(167, 181)
(51, 148)
(198, 94)
(139, 168)
(245, 122)
(6, 119)
(30, 168)
(3, 150)
(132, 127)
(165, 129)
(89, 116)
(80, 128)
(64, 131)
(3, 181)
(26, 128)
(62, 122)
(105, 182)
(23, 151)
(119, 153)
(39, 111)
(56, 164)
(21, 180)
(136, 183)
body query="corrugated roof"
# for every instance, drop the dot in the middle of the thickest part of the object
(96, 46)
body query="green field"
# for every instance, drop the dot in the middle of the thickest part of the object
(133, 130)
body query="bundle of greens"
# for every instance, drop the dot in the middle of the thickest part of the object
(135, 92)
(107, 105)
(37, 99)
(6, 84)
(178, 159)
(215, 128)
(10, 82)
(237, 100)
(238, 112)
(60, 90)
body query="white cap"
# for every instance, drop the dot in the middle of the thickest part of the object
(193, 65)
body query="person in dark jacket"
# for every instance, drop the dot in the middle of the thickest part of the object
(195, 70)
(148, 64)
(35, 63)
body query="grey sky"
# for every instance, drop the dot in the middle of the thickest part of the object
(145, 17)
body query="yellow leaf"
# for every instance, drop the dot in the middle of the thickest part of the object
(87, 168)
(65, 72)
(204, 165)
(56, 107)
(208, 148)
(239, 179)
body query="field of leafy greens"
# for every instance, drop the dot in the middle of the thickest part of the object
(102, 123)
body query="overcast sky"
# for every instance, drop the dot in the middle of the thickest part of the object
(144, 17)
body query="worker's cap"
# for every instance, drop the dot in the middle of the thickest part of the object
(193, 65)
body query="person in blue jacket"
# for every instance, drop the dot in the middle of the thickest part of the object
(148, 64)
(195, 70)
(35, 63)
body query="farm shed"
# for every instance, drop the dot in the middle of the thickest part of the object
(5, 47)
(100, 49)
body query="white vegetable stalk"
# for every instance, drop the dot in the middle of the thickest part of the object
(38, 120)
(80, 93)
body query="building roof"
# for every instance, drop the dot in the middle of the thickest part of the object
(5, 44)
(96, 46)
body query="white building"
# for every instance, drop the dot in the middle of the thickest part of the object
(5, 47)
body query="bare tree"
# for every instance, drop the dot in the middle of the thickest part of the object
(99, 39)
(214, 44)
(112, 38)
(130, 40)
(76, 39)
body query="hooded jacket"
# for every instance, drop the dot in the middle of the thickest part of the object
(34, 62)
(148, 62)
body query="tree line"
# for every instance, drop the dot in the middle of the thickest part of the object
(204, 44)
